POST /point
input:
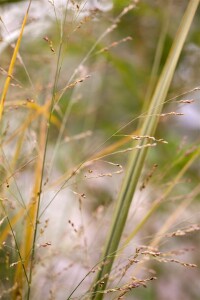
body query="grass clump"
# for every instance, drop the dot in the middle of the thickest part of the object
(67, 127)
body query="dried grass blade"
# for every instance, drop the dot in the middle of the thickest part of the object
(31, 216)
(6, 230)
(12, 63)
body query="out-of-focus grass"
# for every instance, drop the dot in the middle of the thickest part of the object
(85, 82)
(137, 159)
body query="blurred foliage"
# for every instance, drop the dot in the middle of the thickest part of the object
(113, 97)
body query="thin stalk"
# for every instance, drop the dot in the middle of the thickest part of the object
(166, 193)
(155, 205)
(43, 163)
(16, 243)
(137, 159)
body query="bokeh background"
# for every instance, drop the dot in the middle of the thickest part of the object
(101, 96)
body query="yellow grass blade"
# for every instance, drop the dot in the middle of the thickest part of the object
(40, 110)
(12, 63)
(13, 222)
(108, 150)
(30, 218)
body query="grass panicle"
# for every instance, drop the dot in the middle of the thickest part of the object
(67, 128)
(137, 158)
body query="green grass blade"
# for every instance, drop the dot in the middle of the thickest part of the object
(136, 160)
(166, 193)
